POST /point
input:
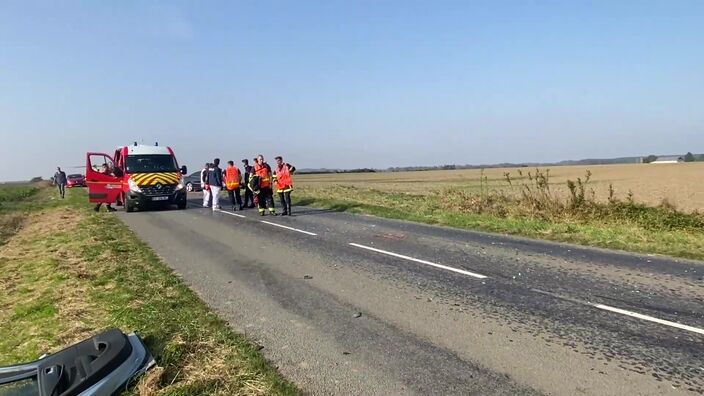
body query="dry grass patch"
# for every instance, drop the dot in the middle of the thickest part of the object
(44, 303)
(68, 273)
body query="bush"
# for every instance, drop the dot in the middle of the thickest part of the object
(536, 200)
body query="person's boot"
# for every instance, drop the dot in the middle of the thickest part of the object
(290, 212)
(111, 209)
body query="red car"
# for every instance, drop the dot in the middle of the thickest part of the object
(75, 181)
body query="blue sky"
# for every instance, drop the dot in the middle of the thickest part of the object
(344, 84)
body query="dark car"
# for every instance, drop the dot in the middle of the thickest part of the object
(76, 180)
(193, 182)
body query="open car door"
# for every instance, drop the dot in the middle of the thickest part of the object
(102, 187)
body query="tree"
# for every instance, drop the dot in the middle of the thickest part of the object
(689, 157)
(650, 159)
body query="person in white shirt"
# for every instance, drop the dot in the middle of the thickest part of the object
(204, 185)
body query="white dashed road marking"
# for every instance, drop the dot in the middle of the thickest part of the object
(230, 213)
(649, 318)
(457, 270)
(479, 276)
(288, 228)
(623, 312)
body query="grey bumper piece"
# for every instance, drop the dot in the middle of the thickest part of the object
(104, 364)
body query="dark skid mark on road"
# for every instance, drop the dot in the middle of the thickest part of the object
(607, 338)
(684, 268)
(426, 368)
(423, 367)
(665, 353)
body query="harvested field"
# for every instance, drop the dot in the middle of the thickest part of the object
(680, 184)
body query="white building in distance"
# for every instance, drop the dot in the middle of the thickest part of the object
(668, 159)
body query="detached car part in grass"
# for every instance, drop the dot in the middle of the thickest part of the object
(101, 365)
(137, 176)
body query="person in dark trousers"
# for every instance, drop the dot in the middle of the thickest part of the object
(60, 181)
(215, 182)
(106, 170)
(284, 184)
(248, 195)
(266, 194)
(233, 177)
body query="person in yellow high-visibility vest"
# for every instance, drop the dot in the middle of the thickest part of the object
(233, 177)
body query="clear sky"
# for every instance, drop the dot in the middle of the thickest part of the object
(344, 84)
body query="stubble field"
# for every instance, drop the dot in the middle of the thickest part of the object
(680, 184)
(640, 207)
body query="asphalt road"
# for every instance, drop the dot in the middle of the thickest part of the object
(349, 304)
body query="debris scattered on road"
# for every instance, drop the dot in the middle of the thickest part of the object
(307, 277)
(357, 315)
(345, 353)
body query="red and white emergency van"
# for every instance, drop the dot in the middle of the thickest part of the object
(137, 176)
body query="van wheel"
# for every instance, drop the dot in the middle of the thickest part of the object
(129, 205)
(182, 204)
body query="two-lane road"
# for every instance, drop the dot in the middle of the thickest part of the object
(350, 304)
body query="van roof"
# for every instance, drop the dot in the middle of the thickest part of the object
(145, 149)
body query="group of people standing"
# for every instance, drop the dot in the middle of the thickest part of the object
(258, 182)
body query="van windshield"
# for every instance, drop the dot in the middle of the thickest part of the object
(151, 163)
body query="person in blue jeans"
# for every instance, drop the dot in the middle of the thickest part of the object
(60, 181)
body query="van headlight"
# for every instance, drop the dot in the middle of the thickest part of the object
(181, 184)
(134, 187)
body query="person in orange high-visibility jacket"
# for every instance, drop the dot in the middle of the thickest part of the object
(284, 183)
(233, 178)
(266, 194)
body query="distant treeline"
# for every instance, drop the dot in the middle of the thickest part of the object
(689, 157)
(323, 171)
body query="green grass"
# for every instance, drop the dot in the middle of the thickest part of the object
(619, 225)
(17, 193)
(69, 273)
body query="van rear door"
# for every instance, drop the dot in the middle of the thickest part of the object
(103, 187)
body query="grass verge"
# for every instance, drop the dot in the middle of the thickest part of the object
(535, 213)
(68, 273)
